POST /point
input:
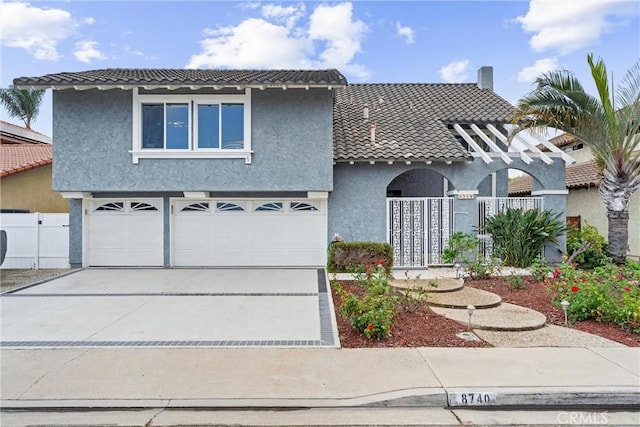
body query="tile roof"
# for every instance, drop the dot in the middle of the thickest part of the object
(579, 175)
(140, 77)
(584, 174)
(410, 120)
(16, 158)
(521, 185)
(559, 141)
(15, 134)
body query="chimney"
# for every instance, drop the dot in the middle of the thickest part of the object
(485, 77)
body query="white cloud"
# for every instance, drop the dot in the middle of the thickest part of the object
(37, 30)
(128, 49)
(529, 74)
(455, 72)
(86, 51)
(254, 43)
(343, 36)
(406, 32)
(89, 21)
(566, 26)
(287, 15)
(280, 39)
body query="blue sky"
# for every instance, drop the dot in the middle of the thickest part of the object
(369, 41)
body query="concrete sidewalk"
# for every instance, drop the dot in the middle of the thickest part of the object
(320, 378)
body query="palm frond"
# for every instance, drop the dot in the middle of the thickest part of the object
(22, 103)
(628, 91)
(601, 80)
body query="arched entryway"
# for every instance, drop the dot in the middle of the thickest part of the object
(420, 217)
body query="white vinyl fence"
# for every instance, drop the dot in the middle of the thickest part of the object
(36, 240)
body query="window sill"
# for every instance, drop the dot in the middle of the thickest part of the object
(231, 154)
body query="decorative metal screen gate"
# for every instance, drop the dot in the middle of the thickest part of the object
(489, 206)
(419, 229)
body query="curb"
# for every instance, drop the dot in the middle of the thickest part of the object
(477, 398)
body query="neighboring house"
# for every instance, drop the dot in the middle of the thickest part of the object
(261, 168)
(584, 204)
(25, 172)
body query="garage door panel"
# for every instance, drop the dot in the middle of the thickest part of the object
(265, 233)
(125, 233)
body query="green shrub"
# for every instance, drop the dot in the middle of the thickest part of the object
(519, 236)
(356, 256)
(372, 314)
(586, 247)
(464, 248)
(608, 294)
(515, 282)
(539, 269)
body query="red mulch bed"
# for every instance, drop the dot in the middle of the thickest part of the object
(424, 328)
(535, 296)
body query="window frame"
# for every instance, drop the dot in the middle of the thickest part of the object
(193, 151)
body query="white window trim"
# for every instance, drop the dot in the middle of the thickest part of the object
(138, 152)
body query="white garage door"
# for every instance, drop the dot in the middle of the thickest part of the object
(125, 232)
(249, 232)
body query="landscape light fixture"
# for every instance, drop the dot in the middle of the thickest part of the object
(457, 267)
(470, 310)
(565, 308)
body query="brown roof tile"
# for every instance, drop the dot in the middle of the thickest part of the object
(559, 141)
(579, 175)
(16, 158)
(583, 174)
(137, 76)
(410, 120)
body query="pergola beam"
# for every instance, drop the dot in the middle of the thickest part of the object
(567, 158)
(491, 144)
(524, 156)
(530, 146)
(472, 143)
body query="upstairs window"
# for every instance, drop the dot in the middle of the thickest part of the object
(220, 126)
(165, 126)
(174, 126)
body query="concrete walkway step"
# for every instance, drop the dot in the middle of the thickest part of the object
(429, 285)
(466, 296)
(506, 317)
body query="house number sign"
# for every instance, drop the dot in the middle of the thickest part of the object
(472, 399)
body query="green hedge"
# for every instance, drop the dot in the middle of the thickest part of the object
(350, 256)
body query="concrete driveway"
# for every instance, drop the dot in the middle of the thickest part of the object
(172, 308)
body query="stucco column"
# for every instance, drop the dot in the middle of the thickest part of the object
(75, 233)
(465, 210)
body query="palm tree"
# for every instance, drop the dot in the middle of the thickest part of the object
(610, 127)
(22, 103)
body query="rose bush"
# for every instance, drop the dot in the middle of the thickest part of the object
(610, 293)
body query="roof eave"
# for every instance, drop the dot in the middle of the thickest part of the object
(174, 86)
(407, 161)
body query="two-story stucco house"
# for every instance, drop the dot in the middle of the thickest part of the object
(261, 168)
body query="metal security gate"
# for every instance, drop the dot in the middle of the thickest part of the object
(419, 229)
(489, 206)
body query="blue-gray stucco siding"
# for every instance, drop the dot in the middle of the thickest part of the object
(291, 133)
